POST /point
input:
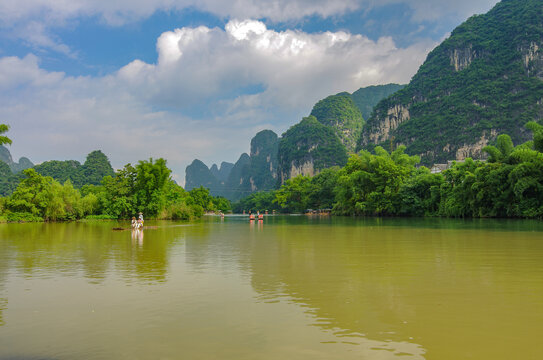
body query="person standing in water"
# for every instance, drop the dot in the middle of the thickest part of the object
(140, 219)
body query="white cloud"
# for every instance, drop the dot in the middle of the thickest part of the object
(143, 110)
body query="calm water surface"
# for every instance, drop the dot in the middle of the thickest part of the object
(290, 288)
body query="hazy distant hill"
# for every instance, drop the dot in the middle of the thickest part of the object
(5, 156)
(254, 172)
(484, 80)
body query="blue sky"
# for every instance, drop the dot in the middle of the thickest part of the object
(185, 79)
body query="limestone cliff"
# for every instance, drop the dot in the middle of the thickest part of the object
(484, 80)
(309, 147)
(262, 171)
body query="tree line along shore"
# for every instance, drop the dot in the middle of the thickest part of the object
(509, 184)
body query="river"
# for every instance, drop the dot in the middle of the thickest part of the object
(287, 288)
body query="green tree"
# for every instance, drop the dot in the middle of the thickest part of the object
(501, 152)
(95, 168)
(323, 186)
(4, 139)
(41, 196)
(419, 195)
(293, 196)
(117, 197)
(152, 177)
(201, 197)
(369, 183)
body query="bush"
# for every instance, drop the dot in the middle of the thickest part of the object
(22, 217)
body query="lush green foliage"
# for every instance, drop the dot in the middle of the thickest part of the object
(146, 187)
(509, 184)
(4, 139)
(479, 82)
(340, 113)
(95, 168)
(366, 98)
(369, 184)
(303, 192)
(42, 197)
(258, 201)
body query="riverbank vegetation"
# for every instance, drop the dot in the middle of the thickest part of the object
(508, 184)
(145, 187)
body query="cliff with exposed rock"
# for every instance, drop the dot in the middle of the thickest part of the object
(484, 80)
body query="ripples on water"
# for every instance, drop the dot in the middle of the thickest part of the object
(291, 287)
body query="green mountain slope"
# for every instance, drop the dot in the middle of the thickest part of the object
(340, 113)
(198, 174)
(308, 147)
(484, 80)
(366, 98)
(92, 172)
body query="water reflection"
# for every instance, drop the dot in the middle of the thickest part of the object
(46, 249)
(409, 284)
(370, 288)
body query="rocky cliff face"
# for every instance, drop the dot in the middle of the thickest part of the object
(262, 172)
(367, 97)
(309, 147)
(394, 117)
(462, 58)
(484, 80)
(532, 58)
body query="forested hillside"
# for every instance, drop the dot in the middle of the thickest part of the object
(366, 98)
(95, 168)
(485, 79)
(340, 113)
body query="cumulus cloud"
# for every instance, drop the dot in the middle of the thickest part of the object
(209, 92)
(202, 64)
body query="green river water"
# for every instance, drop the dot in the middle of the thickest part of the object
(287, 288)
